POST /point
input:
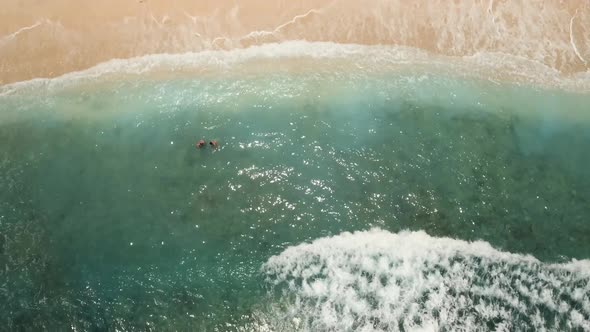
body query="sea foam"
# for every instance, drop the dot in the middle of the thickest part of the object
(495, 67)
(381, 281)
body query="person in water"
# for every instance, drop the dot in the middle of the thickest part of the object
(214, 144)
(200, 144)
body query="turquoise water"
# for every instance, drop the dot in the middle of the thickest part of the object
(110, 219)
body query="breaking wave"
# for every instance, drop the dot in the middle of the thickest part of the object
(380, 281)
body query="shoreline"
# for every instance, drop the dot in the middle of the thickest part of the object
(297, 57)
(52, 39)
(289, 72)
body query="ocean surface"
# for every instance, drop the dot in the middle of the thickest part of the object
(344, 196)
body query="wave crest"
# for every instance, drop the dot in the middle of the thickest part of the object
(380, 281)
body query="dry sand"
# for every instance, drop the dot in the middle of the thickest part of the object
(47, 38)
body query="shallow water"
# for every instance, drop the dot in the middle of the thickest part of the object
(111, 219)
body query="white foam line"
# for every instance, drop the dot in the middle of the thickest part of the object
(19, 31)
(280, 27)
(261, 33)
(370, 57)
(222, 58)
(572, 38)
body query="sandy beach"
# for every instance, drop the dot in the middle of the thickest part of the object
(48, 39)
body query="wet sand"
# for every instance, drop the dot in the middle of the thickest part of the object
(50, 38)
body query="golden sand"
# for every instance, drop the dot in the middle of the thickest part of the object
(52, 37)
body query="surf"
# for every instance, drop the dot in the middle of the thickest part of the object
(409, 281)
(307, 57)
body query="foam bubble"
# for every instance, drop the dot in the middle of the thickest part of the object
(377, 281)
(323, 56)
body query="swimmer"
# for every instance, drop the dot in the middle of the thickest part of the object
(200, 144)
(214, 144)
